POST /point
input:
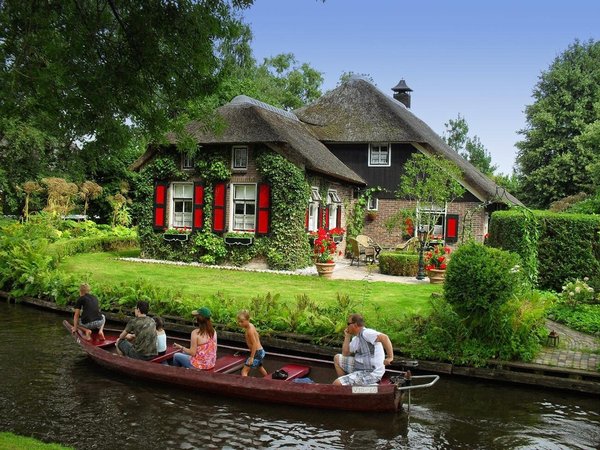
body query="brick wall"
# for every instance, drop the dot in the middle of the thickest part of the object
(468, 211)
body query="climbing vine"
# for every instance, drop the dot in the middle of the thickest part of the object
(288, 247)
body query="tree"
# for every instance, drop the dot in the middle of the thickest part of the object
(468, 147)
(561, 143)
(431, 181)
(79, 79)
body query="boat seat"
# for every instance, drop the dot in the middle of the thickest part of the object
(169, 352)
(293, 371)
(228, 364)
(97, 342)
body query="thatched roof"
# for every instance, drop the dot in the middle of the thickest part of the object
(357, 111)
(249, 121)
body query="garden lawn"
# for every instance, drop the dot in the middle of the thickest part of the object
(10, 441)
(203, 282)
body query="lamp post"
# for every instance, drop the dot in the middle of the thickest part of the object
(421, 233)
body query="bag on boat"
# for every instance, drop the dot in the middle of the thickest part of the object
(280, 374)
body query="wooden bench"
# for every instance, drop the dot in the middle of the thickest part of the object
(228, 364)
(96, 342)
(169, 352)
(293, 371)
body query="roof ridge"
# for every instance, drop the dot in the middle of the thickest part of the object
(244, 99)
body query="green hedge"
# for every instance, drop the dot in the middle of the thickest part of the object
(62, 249)
(568, 246)
(399, 263)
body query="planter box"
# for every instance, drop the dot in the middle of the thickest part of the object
(176, 237)
(233, 240)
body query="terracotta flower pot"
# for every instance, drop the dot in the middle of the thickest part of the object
(436, 276)
(325, 269)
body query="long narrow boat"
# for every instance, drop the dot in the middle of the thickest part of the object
(224, 379)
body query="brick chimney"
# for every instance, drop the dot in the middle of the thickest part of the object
(402, 93)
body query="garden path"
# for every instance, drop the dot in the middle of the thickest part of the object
(574, 350)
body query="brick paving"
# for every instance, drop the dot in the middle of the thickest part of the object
(575, 350)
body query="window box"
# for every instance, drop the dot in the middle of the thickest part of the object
(176, 237)
(338, 239)
(238, 239)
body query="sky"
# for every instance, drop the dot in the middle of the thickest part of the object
(480, 59)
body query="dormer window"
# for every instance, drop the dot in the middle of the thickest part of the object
(239, 157)
(187, 161)
(379, 155)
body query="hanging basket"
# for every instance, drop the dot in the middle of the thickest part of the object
(234, 240)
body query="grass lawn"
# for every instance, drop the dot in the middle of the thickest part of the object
(197, 283)
(11, 441)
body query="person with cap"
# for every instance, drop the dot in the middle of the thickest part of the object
(138, 339)
(365, 353)
(202, 353)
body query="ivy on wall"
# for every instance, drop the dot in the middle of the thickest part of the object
(285, 249)
(288, 248)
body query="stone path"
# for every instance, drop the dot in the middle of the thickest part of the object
(574, 350)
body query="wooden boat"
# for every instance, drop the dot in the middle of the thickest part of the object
(224, 379)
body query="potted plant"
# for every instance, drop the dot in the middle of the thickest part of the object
(337, 234)
(177, 234)
(436, 261)
(324, 251)
(239, 238)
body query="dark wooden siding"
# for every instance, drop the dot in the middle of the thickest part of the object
(356, 157)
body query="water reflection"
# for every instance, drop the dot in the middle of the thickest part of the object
(51, 391)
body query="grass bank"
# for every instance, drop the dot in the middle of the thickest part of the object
(198, 283)
(9, 441)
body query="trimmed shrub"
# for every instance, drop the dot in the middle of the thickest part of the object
(479, 280)
(399, 263)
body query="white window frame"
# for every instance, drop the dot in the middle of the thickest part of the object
(377, 147)
(334, 202)
(373, 204)
(234, 166)
(313, 209)
(185, 221)
(246, 226)
(441, 212)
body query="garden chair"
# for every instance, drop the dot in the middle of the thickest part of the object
(354, 251)
(368, 247)
(409, 245)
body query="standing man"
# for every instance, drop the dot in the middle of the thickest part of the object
(138, 339)
(91, 319)
(365, 353)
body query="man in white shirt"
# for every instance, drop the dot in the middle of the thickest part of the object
(364, 357)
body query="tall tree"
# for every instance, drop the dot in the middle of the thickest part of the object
(79, 78)
(470, 148)
(561, 143)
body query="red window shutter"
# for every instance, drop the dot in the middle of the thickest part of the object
(320, 218)
(263, 218)
(338, 217)
(327, 218)
(306, 220)
(219, 208)
(451, 235)
(198, 214)
(159, 215)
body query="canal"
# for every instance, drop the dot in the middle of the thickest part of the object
(49, 390)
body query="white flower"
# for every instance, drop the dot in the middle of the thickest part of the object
(578, 289)
(515, 269)
(30, 279)
(571, 294)
(564, 288)
(586, 279)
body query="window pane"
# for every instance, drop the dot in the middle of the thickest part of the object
(250, 208)
(178, 206)
(239, 208)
